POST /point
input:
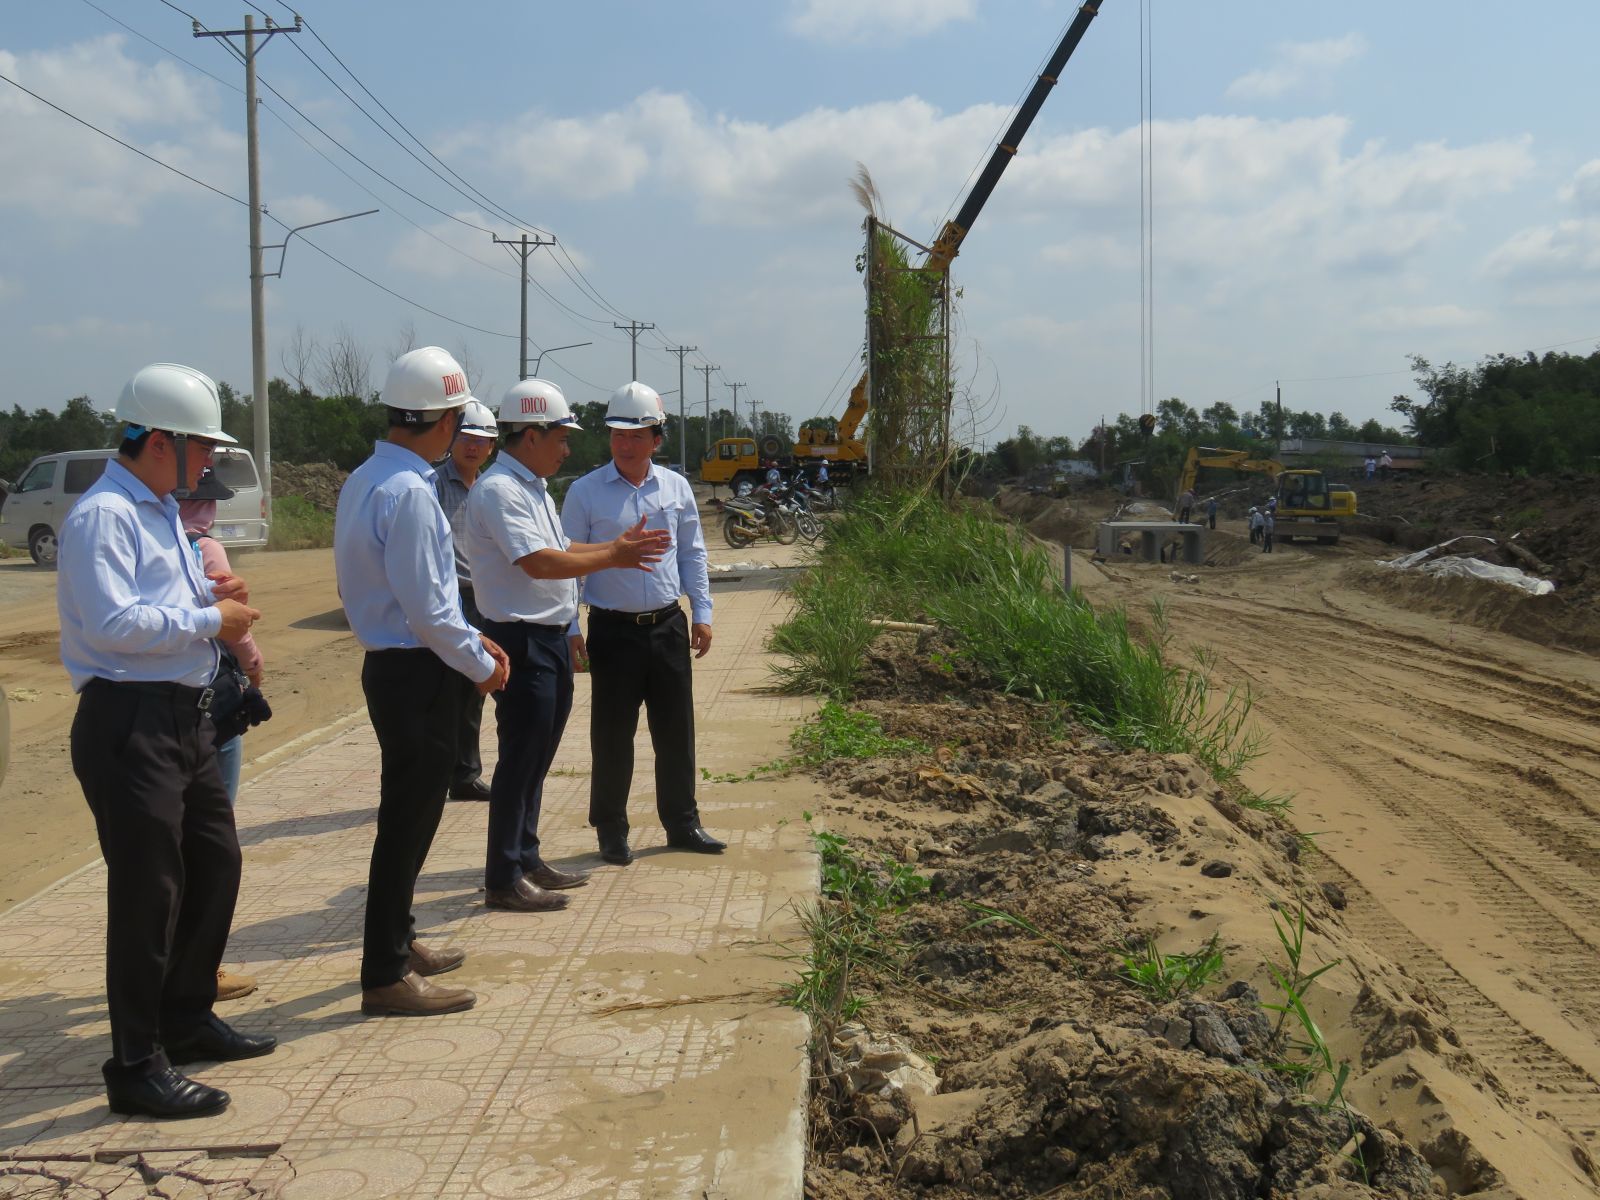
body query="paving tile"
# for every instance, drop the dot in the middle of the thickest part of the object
(593, 1063)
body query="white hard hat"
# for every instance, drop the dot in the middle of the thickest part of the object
(426, 380)
(634, 405)
(478, 421)
(536, 402)
(174, 398)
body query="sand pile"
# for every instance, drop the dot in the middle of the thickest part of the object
(317, 482)
(1048, 519)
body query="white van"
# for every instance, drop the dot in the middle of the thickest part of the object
(47, 490)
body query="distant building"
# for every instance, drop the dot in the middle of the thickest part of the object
(1295, 451)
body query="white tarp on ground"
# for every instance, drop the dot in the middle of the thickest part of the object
(1431, 562)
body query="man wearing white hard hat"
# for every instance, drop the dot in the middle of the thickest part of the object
(453, 479)
(525, 569)
(639, 637)
(139, 623)
(395, 561)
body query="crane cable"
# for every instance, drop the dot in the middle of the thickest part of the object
(1147, 281)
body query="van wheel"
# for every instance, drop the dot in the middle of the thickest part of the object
(42, 546)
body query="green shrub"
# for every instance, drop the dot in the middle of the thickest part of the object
(297, 524)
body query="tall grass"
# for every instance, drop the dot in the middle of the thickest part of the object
(297, 524)
(910, 558)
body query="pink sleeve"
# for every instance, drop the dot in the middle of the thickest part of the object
(215, 559)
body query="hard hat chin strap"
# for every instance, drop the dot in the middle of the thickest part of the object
(180, 442)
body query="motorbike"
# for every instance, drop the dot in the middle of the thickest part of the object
(748, 518)
(798, 500)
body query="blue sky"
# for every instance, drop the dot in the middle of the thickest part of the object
(1336, 187)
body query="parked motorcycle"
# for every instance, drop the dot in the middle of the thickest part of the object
(797, 499)
(748, 518)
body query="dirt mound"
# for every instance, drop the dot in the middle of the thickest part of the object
(317, 482)
(1047, 518)
(1552, 620)
(1052, 857)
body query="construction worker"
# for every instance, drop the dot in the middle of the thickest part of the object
(139, 619)
(1185, 504)
(394, 557)
(453, 479)
(639, 638)
(1211, 512)
(1269, 521)
(526, 571)
(1255, 525)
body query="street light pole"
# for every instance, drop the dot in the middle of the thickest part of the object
(552, 350)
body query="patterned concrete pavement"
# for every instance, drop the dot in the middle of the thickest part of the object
(628, 1047)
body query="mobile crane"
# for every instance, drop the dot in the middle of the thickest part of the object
(733, 458)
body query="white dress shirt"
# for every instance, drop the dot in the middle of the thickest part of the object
(134, 604)
(602, 505)
(509, 515)
(395, 563)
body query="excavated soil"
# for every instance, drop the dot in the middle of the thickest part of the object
(1060, 1078)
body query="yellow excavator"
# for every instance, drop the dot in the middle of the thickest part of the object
(725, 462)
(1307, 505)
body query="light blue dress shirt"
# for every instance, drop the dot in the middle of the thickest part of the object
(603, 505)
(395, 563)
(134, 604)
(509, 515)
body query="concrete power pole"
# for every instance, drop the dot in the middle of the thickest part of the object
(736, 387)
(258, 307)
(683, 425)
(633, 329)
(522, 247)
(706, 371)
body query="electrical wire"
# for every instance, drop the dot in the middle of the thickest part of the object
(125, 145)
(146, 37)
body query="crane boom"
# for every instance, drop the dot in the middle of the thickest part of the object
(948, 244)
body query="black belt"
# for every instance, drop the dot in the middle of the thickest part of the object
(182, 693)
(637, 618)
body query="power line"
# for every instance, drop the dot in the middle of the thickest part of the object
(125, 145)
(159, 46)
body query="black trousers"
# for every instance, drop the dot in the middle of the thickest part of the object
(632, 665)
(1266, 541)
(144, 757)
(469, 760)
(530, 716)
(414, 701)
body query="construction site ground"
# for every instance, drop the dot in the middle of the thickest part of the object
(631, 1046)
(1440, 746)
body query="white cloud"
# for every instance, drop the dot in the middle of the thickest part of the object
(1584, 190)
(1297, 65)
(1423, 317)
(1548, 252)
(880, 20)
(9, 288)
(294, 211)
(61, 171)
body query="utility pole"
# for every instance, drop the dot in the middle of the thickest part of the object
(258, 297)
(633, 329)
(706, 371)
(683, 425)
(736, 387)
(522, 247)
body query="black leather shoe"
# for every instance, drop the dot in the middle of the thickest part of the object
(214, 1040)
(696, 839)
(552, 880)
(614, 849)
(166, 1093)
(477, 789)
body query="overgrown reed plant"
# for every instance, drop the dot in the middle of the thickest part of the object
(910, 558)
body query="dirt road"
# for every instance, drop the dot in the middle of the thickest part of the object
(1452, 777)
(312, 666)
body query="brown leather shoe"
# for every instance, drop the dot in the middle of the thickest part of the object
(525, 897)
(547, 877)
(414, 996)
(231, 986)
(426, 961)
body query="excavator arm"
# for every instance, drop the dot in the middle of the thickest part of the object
(1230, 460)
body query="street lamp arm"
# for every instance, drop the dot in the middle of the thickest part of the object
(283, 246)
(540, 357)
